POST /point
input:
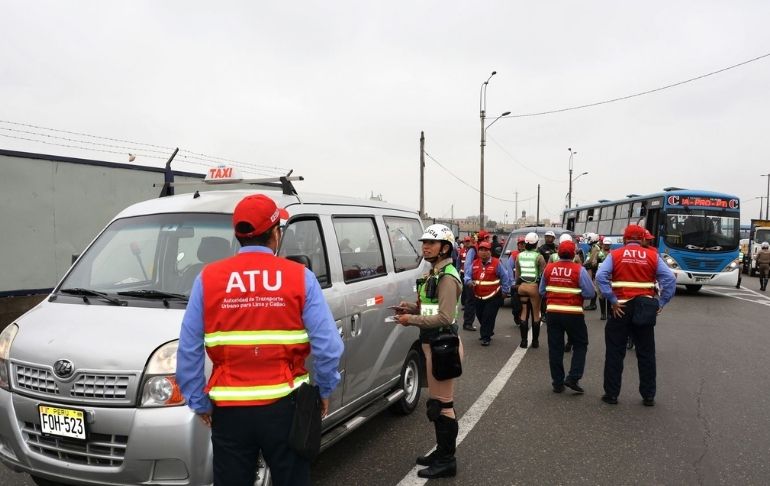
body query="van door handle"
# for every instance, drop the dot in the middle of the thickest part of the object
(355, 328)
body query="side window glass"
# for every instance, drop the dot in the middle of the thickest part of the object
(360, 248)
(403, 234)
(302, 241)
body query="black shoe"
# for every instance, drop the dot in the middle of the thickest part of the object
(486, 342)
(603, 317)
(523, 343)
(558, 388)
(610, 400)
(648, 402)
(535, 343)
(573, 385)
(441, 468)
(469, 327)
(630, 345)
(590, 307)
(568, 347)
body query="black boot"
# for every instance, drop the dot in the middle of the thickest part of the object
(536, 334)
(444, 465)
(603, 307)
(591, 305)
(524, 331)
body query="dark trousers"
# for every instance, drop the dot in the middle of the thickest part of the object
(486, 311)
(239, 433)
(469, 307)
(577, 334)
(616, 334)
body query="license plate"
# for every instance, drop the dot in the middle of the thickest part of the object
(702, 279)
(62, 422)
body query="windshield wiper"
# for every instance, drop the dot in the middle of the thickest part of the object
(154, 294)
(93, 293)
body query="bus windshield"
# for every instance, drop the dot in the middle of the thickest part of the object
(701, 230)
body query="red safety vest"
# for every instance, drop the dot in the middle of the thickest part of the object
(487, 284)
(462, 252)
(633, 271)
(253, 329)
(563, 294)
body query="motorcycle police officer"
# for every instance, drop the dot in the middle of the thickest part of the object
(529, 266)
(436, 313)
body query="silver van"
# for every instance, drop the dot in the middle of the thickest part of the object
(87, 388)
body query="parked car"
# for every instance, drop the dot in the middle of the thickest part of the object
(87, 388)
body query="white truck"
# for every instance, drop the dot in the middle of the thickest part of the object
(759, 233)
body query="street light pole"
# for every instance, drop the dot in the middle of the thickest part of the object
(569, 193)
(767, 198)
(482, 113)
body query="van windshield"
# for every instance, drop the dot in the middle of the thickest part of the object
(160, 252)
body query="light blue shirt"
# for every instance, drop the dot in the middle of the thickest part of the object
(663, 274)
(586, 285)
(325, 342)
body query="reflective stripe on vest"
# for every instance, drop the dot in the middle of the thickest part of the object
(577, 309)
(528, 265)
(429, 307)
(251, 393)
(563, 290)
(634, 285)
(255, 337)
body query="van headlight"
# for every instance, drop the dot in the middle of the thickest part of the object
(670, 262)
(160, 388)
(6, 339)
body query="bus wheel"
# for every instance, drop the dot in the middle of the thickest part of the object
(693, 288)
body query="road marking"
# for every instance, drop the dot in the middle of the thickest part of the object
(477, 410)
(744, 294)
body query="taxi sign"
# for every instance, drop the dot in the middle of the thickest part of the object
(62, 422)
(222, 174)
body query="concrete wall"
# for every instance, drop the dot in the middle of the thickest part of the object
(52, 207)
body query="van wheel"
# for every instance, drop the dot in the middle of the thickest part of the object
(264, 478)
(410, 383)
(45, 482)
(693, 288)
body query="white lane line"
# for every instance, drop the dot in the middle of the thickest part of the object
(472, 416)
(745, 296)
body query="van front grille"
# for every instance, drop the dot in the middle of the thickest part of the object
(36, 379)
(99, 450)
(88, 385)
(117, 388)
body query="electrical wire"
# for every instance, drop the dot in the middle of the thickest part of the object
(475, 189)
(622, 98)
(521, 164)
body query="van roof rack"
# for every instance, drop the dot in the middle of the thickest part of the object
(227, 175)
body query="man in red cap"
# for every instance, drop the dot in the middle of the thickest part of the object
(627, 279)
(258, 317)
(490, 282)
(469, 307)
(565, 284)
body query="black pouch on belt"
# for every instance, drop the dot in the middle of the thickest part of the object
(305, 433)
(445, 356)
(644, 311)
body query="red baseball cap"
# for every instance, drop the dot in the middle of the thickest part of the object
(634, 232)
(260, 212)
(483, 234)
(467, 238)
(566, 248)
(521, 239)
(647, 235)
(485, 244)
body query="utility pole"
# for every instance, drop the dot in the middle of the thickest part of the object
(537, 220)
(422, 174)
(516, 209)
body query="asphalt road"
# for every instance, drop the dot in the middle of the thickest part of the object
(710, 425)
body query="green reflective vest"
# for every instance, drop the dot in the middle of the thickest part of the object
(528, 266)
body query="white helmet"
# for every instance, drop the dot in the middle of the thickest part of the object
(606, 241)
(765, 245)
(550, 233)
(438, 232)
(531, 238)
(592, 237)
(565, 237)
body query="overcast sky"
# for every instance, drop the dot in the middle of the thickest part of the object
(340, 90)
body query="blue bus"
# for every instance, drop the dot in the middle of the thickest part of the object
(696, 232)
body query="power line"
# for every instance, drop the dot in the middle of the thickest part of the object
(520, 163)
(622, 98)
(475, 189)
(138, 148)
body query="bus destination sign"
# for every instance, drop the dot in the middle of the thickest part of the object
(703, 202)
